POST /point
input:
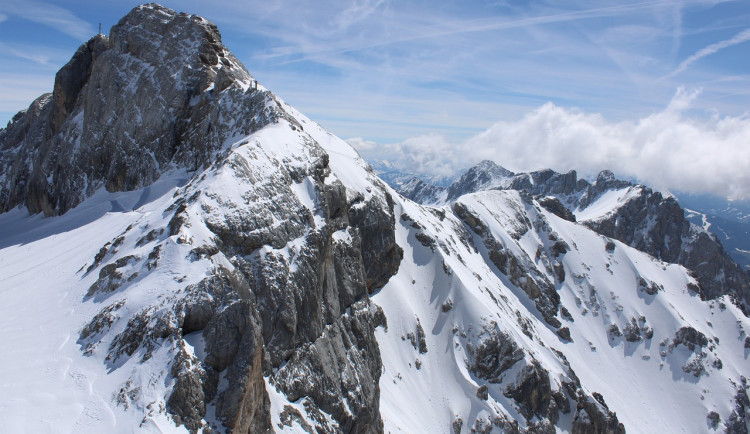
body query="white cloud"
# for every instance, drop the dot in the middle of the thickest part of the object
(38, 58)
(363, 145)
(390, 70)
(668, 150)
(50, 15)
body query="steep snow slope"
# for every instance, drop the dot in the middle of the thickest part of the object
(268, 280)
(634, 214)
(445, 286)
(48, 383)
(456, 295)
(606, 204)
(78, 286)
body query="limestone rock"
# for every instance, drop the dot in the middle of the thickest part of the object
(125, 109)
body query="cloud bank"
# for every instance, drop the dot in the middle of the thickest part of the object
(669, 150)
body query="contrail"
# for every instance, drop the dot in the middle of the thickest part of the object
(480, 25)
(711, 49)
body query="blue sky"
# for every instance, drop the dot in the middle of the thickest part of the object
(396, 76)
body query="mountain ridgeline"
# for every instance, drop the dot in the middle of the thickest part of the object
(634, 214)
(224, 264)
(125, 109)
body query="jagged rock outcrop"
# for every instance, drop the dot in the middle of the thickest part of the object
(267, 285)
(657, 225)
(513, 262)
(643, 219)
(286, 300)
(495, 353)
(125, 109)
(478, 177)
(690, 337)
(738, 420)
(553, 205)
(593, 417)
(421, 192)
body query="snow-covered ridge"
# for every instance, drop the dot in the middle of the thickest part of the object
(262, 278)
(620, 312)
(634, 214)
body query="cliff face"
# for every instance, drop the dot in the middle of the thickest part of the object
(154, 95)
(634, 214)
(216, 261)
(290, 254)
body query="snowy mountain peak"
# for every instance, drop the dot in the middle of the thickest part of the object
(155, 34)
(127, 108)
(633, 214)
(214, 260)
(605, 176)
(490, 167)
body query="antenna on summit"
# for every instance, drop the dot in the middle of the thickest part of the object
(100, 28)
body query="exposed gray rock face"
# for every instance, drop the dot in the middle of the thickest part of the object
(519, 269)
(713, 418)
(647, 220)
(150, 98)
(126, 108)
(550, 183)
(593, 417)
(553, 205)
(233, 344)
(483, 174)
(738, 420)
(657, 225)
(376, 227)
(605, 181)
(690, 338)
(421, 192)
(489, 176)
(534, 394)
(314, 315)
(495, 353)
(628, 224)
(540, 399)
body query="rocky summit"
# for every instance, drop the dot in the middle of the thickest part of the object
(182, 251)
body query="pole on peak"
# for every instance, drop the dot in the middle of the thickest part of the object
(100, 28)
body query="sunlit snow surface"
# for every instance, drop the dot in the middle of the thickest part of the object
(48, 385)
(645, 388)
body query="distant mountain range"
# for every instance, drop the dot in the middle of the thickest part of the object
(728, 220)
(396, 177)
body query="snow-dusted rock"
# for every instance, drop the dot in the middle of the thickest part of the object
(154, 95)
(633, 214)
(215, 260)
